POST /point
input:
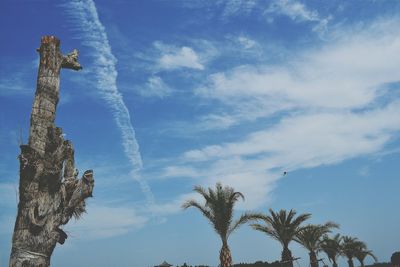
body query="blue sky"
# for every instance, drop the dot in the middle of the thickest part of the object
(181, 93)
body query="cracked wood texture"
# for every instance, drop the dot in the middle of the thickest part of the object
(50, 193)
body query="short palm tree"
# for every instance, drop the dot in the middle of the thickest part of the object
(332, 247)
(350, 246)
(310, 237)
(218, 209)
(282, 226)
(362, 253)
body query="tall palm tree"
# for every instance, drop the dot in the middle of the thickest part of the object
(282, 226)
(362, 253)
(310, 237)
(350, 245)
(218, 209)
(332, 247)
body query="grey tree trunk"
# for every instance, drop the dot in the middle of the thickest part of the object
(49, 191)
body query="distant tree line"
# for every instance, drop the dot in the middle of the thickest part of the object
(277, 264)
(258, 264)
(255, 264)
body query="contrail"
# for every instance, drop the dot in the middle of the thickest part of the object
(95, 37)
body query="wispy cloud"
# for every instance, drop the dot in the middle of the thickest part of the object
(297, 11)
(332, 103)
(312, 139)
(350, 73)
(253, 165)
(233, 7)
(155, 87)
(364, 171)
(184, 57)
(192, 56)
(14, 77)
(246, 42)
(105, 222)
(94, 36)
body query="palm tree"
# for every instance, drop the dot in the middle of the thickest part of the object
(362, 253)
(350, 245)
(310, 237)
(283, 227)
(332, 247)
(218, 209)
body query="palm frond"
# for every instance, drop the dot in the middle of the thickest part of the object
(282, 225)
(310, 236)
(204, 210)
(244, 218)
(219, 208)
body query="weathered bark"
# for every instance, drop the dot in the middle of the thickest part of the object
(313, 259)
(49, 191)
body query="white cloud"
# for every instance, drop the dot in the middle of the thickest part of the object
(346, 74)
(293, 9)
(178, 171)
(332, 98)
(155, 87)
(172, 207)
(95, 37)
(246, 42)
(234, 7)
(14, 85)
(184, 57)
(253, 165)
(297, 12)
(17, 78)
(249, 177)
(104, 222)
(216, 121)
(311, 139)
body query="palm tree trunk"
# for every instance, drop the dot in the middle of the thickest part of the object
(350, 262)
(286, 259)
(334, 264)
(225, 255)
(313, 259)
(49, 191)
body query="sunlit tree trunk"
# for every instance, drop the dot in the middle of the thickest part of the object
(49, 191)
(225, 256)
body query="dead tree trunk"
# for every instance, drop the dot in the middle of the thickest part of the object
(49, 191)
